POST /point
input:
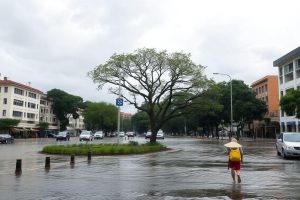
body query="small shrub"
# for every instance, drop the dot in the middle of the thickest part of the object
(133, 143)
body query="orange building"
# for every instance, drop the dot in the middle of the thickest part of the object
(266, 89)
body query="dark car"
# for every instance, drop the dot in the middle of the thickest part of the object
(64, 135)
(6, 138)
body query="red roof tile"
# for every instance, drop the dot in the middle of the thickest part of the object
(19, 85)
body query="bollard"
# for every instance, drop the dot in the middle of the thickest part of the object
(89, 156)
(47, 163)
(72, 162)
(18, 167)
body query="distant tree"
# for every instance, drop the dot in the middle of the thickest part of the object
(64, 104)
(246, 107)
(126, 124)
(43, 125)
(155, 77)
(6, 124)
(100, 116)
(141, 122)
(290, 103)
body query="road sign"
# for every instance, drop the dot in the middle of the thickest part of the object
(119, 102)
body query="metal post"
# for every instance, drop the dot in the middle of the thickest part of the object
(72, 161)
(119, 107)
(47, 163)
(18, 170)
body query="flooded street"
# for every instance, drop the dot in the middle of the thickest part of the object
(193, 169)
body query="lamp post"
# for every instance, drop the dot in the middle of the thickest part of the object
(231, 110)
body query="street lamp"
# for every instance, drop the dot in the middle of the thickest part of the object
(231, 110)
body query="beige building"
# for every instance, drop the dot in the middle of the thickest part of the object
(22, 102)
(46, 113)
(76, 125)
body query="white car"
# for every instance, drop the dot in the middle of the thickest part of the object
(86, 136)
(121, 134)
(288, 144)
(160, 135)
(148, 134)
(98, 135)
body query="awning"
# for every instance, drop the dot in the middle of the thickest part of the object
(16, 130)
(33, 129)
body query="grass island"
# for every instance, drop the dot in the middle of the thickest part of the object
(104, 149)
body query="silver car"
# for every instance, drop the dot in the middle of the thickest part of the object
(98, 135)
(86, 136)
(288, 144)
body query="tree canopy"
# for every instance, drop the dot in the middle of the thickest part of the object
(8, 123)
(100, 116)
(152, 78)
(64, 104)
(290, 103)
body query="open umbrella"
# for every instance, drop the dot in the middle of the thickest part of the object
(232, 145)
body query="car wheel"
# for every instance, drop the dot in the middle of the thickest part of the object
(278, 153)
(283, 154)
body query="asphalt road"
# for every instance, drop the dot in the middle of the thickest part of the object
(194, 169)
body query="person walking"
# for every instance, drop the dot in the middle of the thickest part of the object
(235, 158)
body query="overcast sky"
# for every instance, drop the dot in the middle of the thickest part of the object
(54, 43)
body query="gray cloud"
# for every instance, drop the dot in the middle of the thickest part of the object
(54, 43)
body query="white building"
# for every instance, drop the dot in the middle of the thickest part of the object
(289, 78)
(46, 113)
(76, 125)
(22, 102)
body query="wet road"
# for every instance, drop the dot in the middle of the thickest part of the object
(194, 169)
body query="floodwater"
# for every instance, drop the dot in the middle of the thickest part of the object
(193, 169)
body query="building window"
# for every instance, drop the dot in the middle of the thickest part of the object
(4, 113)
(17, 114)
(43, 102)
(31, 105)
(19, 91)
(266, 88)
(30, 115)
(32, 95)
(0, 89)
(5, 101)
(6, 89)
(18, 102)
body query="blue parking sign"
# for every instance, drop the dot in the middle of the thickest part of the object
(119, 102)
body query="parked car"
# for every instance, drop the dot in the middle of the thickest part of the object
(288, 144)
(148, 135)
(160, 135)
(64, 135)
(86, 136)
(130, 134)
(98, 135)
(6, 138)
(121, 134)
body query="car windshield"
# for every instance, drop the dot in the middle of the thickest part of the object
(292, 137)
(62, 133)
(85, 133)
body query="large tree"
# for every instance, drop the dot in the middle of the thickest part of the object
(100, 116)
(290, 103)
(155, 78)
(63, 105)
(246, 107)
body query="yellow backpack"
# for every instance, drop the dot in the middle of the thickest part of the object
(235, 155)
